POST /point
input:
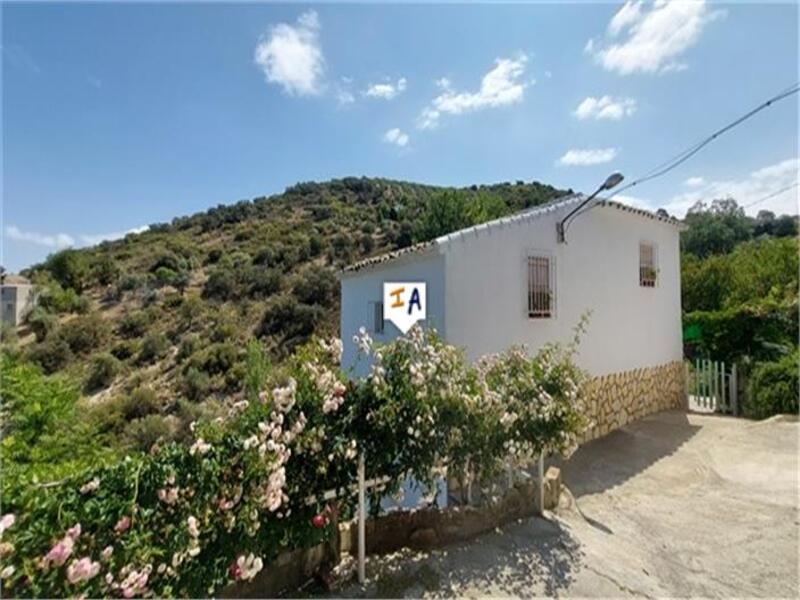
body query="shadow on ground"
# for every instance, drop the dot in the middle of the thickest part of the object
(534, 551)
(612, 460)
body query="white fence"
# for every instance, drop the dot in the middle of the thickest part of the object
(712, 386)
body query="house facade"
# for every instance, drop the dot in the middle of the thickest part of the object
(510, 281)
(17, 298)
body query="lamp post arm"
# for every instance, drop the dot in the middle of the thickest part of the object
(560, 226)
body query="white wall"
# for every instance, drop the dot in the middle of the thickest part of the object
(360, 288)
(598, 270)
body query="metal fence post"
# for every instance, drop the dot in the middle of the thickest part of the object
(362, 518)
(541, 483)
(722, 391)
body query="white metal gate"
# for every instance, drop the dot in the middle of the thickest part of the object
(712, 386)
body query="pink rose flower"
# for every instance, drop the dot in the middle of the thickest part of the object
(82, 570)
(7, 521)
(123, 524)
(59, 553)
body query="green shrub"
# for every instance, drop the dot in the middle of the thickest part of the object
(316, 285)
(142, 433)
(130, 282)
(195, 384)
(54, 298)
(774, 388)
(8, 336)
(134, 324)
(225, 497)
(102, 371)
(106, 271)
(125, 349)
(191, 311)
(257, 370)
(44, 436)
(219, 358)
(41, 322)
(154, 346)
(221, 284)
(261, 282)
(85, 333)
(214, 255)
(52, 354)
(225, 327)
(165, 276)
(70, 268)
(289, 321)
(139, 403)
(190, 344)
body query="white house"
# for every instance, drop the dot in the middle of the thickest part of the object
(510, 281)
(17, 298)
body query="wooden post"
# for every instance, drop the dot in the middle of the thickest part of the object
(734, 383)
(541, 484)
(362, 518)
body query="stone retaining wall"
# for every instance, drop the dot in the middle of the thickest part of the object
(617, 399)
(420, 529)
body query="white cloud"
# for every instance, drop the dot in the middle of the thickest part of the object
(757, 185)
(652, 39)
(65, 240)
(582, 158)
(694, 181)
(605, 107)
(397, 137)
(501, 86)
(386, 91)
(291, 56)
(57, 240)
(629, 14)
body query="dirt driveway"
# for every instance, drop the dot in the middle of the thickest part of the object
(672, 505)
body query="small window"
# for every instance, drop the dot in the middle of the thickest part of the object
(541, 287)
(377, 317)
(648, 268)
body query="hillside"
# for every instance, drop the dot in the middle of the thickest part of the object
(158, 323)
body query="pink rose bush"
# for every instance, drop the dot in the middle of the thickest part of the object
(186, 520)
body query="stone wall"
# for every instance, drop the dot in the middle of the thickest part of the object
(617, 399)
(420, 529)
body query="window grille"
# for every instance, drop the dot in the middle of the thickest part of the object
(648, 269)
(541, 287)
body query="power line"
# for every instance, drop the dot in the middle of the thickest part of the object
(772, 195)
(691, 151)
(682, 157)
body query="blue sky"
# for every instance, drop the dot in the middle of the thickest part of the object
(117, 116)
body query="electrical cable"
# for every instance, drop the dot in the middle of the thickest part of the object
(682, 157)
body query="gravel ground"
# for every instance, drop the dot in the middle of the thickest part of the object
(672, 505)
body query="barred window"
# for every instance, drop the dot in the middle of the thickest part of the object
(648, 269)
(541, 287)
(377, 317)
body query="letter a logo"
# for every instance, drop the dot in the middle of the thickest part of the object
(404, 303)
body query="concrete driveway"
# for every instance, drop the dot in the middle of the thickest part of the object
(672, 505)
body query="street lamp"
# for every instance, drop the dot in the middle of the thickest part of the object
(611, 181)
